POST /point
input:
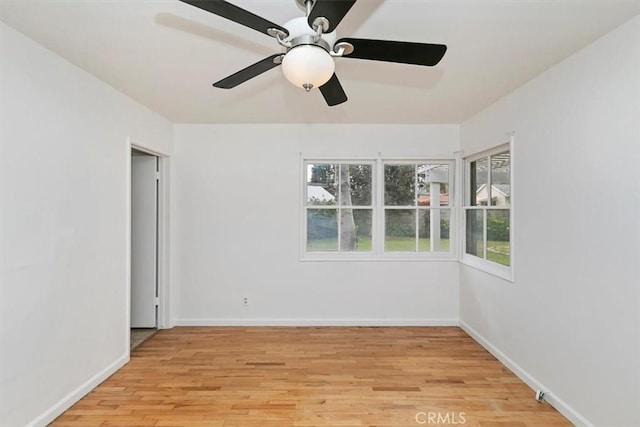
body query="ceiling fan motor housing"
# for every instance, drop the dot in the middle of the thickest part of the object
(299, 26)
(308, 64)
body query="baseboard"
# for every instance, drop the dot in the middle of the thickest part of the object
(316, 322)
(567, 411)
(52, 413)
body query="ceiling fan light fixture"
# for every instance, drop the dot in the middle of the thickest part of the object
(308, 66)
(311, 43)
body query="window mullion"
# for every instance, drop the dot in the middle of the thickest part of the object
(339, 207)
(378, 213)
(484, 233)
(489, 183)
(378, 239)
(486, 210)
(416, 213)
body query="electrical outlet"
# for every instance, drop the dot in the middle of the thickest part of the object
(245, 301)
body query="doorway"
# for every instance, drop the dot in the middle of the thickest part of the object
(145, 190)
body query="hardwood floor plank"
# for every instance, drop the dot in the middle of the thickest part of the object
(302, 377)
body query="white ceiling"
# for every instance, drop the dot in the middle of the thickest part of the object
(166, 54)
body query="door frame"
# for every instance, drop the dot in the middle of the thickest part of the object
(164, 288)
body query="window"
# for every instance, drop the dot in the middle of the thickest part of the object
(339, 207)
(374, 209)
(416, 207)
(487, 210)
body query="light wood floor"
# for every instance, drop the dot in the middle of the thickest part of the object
(311, 377)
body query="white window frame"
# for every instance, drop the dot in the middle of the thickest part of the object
(450, 207)
(337, 255)
(483, 264)
(377, 252)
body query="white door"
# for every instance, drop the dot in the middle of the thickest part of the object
(144, 238)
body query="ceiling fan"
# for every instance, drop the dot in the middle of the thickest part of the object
(311, 44)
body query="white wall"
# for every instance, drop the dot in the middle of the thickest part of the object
(63, 204)
(571, 319)
(236, 231)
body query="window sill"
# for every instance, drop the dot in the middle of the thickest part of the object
(399, 258)
(492, 268)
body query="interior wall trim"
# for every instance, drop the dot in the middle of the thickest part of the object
(66, 402)
(563, 407)
(316, 322)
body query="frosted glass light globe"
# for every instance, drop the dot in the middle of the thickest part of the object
(308, 65)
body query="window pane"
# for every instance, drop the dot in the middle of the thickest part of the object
(498, 248)
(501, 180)
(479, 171)
(356, 230)
(400, 230)
(355, 185)
(322, 187)
(322, 230)
(475, 240)
(433, 230)
(399, 185)
(433, 185)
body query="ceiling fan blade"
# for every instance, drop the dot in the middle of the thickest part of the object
(333, 92)
(392, 51)
(248, 73)
(333, 10)
(236, 14)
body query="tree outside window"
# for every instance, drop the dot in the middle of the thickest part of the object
(339, 207)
